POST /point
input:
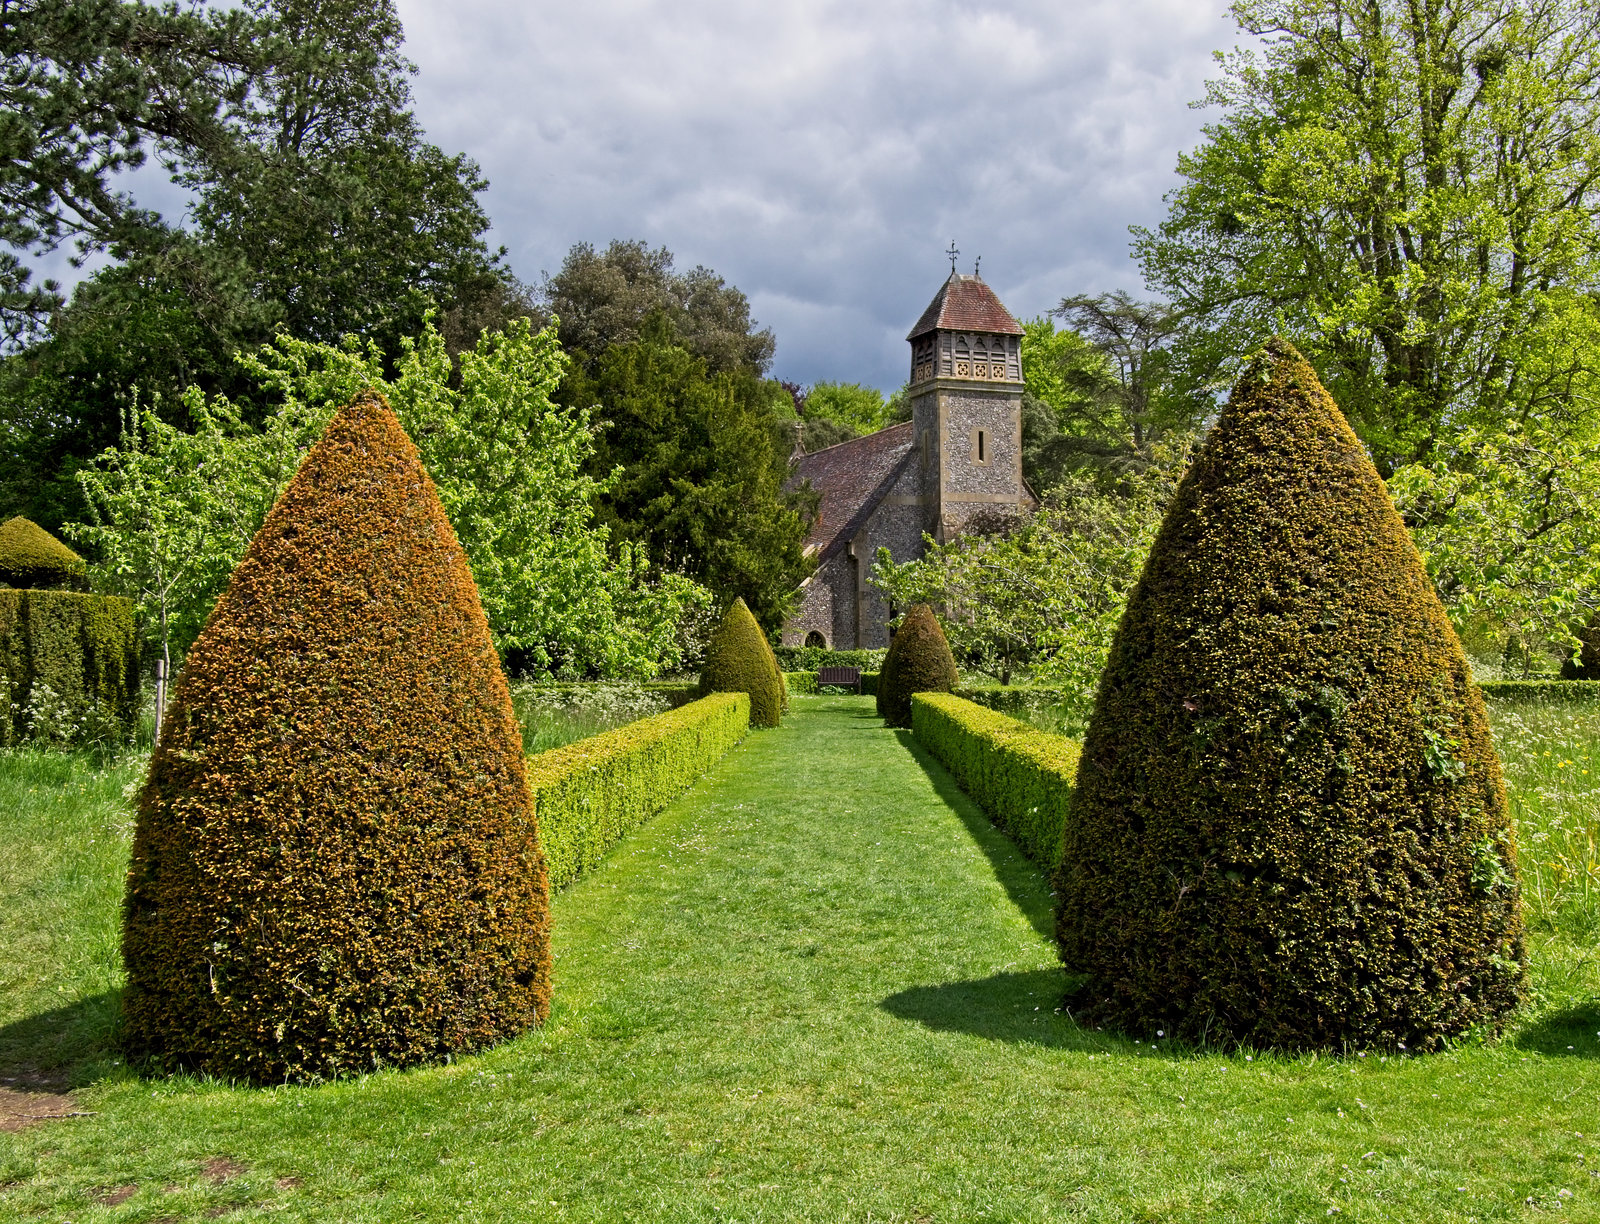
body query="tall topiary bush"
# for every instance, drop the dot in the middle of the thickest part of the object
(336, 864)
(919, 661)
(1289, 827)
(739, 659)
(69, 660)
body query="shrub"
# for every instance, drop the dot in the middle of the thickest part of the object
(1542, 690)
(336, 865)
(591, 792)
(919, 661)
(1584, 662)
(32, 559)
(1020, 776)
(802, 682)
(1289, 827)
(810, 658)
(69, 667)
(739, 659)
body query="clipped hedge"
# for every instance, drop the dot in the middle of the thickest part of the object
(801, 682)
(739, 659)
(69, 666)
(809, 658)
(336, 864)
(1020, 776)
(33, 559)
(1542, 690)
(919, 661)
(591, 792)
(1289, 827)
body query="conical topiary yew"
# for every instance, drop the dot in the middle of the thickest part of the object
(336, 865)
(739, 659)
(33, 559)
(919, 661)
(1289, 827)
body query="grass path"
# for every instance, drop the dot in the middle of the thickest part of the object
(820, 988)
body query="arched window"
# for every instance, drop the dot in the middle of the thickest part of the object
(815, 640)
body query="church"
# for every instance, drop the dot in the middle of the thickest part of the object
(957, 459)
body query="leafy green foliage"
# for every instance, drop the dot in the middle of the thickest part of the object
(849, 406)
(1410, 190)
(1508, 520)
(1020, 776)
(69, 667)
(174, 510)
(33, 559)
(1048, 595)
(610, 298)
(336, 864)
(739, 659)
(703, 458)
(809, 658)
(1287, 738)
(592, 792)
(919, 661)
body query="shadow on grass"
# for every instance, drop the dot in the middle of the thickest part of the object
(1012, 1007)
(1022, 879)
(63, 1048)
(1572, 1032)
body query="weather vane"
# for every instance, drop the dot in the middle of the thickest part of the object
(952, 252)
(976, 264)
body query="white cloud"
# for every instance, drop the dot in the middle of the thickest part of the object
(820, 154)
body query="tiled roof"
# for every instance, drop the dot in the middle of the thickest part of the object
(851, 479)
(965, 303)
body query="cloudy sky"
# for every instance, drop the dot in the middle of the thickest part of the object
(821, 155)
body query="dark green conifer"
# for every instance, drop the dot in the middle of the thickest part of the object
(739, 659)
(336, 865)
(919, 661)
(32, 559)
(1289, 827)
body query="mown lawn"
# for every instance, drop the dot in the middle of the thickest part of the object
(818, 988)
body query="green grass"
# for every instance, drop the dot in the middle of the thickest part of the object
(817, 988)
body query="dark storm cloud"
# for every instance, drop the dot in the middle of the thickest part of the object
(820, 155)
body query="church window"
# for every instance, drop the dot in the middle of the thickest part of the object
(980, 446)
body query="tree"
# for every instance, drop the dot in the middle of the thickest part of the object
(605, 299)
(1408, 188)
(700, 462)
(173, 511)
(739, 659)
(1047, 596)
(1289, 826)
(89, 87)
(1508, 521)
(862, 410)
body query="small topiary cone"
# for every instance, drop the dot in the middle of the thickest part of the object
(33, 559)
(336, 865)
(739, 659)
(1289, 826)
(919, 661)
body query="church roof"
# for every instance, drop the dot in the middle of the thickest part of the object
(965, 303)
(851, 478)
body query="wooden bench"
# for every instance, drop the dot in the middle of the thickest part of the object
(842, 677)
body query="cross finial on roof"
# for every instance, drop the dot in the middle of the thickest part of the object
(952, 252)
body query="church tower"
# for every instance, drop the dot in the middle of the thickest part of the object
(966, 407)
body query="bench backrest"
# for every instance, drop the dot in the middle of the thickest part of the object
(838, 675)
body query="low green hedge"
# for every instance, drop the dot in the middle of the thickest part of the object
(69, 666)
(809, 658)
(591, 792)
(1020, 776)
(805, 682)
(1542, 690)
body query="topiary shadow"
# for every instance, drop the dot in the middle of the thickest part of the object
(1571, 1032)
(65, 1047)
(1022, 878)
(1019, 1008)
